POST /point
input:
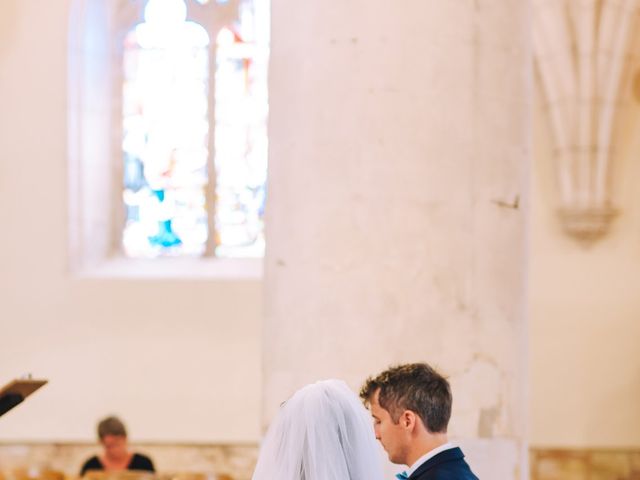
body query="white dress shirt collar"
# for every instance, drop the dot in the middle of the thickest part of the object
(428, 455)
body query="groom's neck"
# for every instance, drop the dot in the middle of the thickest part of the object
(423, 444)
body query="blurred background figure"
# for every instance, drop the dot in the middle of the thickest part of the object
(116, 456)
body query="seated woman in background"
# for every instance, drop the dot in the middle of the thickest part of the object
(113, 437)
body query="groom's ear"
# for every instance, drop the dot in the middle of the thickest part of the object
(408, 419)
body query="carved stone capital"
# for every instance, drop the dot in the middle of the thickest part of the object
(587, 224)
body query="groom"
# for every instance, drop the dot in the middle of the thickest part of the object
(411, 407)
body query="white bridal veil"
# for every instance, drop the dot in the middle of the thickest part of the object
(322, 432)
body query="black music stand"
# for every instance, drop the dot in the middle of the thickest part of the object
(13, 393)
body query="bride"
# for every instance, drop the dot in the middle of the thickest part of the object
(322, 432)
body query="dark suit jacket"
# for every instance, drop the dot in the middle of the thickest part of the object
(447, 465)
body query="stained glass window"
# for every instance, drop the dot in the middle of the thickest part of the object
(166, 136)
(241, 142)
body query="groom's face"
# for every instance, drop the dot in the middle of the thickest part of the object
(391, 435)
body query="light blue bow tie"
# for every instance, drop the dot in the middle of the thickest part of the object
(402, 476)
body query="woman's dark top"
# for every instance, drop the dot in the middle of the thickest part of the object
(138, 462)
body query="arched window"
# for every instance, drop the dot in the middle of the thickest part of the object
(168, 143)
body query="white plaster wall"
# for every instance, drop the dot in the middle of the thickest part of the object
(396, 220)
(178, 359)
(95, 339)
(585, 308)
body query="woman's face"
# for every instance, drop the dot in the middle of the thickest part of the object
(115, 446)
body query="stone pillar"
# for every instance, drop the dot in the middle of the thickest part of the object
(399, 150)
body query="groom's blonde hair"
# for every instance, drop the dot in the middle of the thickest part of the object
(416, 387)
